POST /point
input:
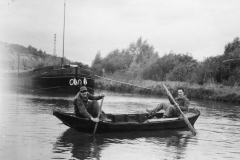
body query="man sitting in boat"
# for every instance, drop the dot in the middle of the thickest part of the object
(88, 109)
(170, 109)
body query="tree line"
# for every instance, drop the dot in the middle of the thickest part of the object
(140, 61)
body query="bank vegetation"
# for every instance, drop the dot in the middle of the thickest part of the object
(215, 78)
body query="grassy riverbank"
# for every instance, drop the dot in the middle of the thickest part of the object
(207, 91)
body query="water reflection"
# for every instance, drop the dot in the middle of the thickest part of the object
(85, 146)
(29, 131)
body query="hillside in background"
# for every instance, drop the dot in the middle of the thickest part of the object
(28, 58)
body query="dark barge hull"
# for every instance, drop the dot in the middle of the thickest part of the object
(125, 122)
(51, 79)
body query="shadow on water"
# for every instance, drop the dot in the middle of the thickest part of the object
(86, 146)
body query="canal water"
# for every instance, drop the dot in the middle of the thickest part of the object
(29, 131)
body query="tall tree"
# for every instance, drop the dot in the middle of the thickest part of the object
(97, 64)
(144, 56)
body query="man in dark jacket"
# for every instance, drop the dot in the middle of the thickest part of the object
(88, 109)
(170, 109)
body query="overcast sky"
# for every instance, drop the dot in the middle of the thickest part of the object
(199, 27)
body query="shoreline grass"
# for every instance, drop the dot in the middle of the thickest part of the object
(214, 92)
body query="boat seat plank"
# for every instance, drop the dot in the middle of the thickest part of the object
(161, 120)
(132, 118)
(119, 118)
(123, 118)
(142, 118)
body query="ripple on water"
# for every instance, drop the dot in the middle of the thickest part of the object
(29, 131)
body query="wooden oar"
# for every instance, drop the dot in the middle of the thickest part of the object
(175, 104)
(100, 110)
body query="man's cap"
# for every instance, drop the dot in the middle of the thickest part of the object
(83, 88)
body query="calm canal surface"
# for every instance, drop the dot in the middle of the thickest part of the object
(29, 131)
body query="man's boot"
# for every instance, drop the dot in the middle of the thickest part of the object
(150, 112)
(103, 117)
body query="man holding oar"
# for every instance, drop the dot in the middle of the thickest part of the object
(170, 109)
(88, 109)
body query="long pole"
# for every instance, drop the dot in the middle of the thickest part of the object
(100, 110)
(176, 105)
(63, 33)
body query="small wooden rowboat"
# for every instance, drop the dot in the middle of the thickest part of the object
(126, 122)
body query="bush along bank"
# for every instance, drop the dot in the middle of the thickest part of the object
(156, 90)
(211, 94)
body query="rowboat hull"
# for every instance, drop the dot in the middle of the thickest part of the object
(126, 122)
